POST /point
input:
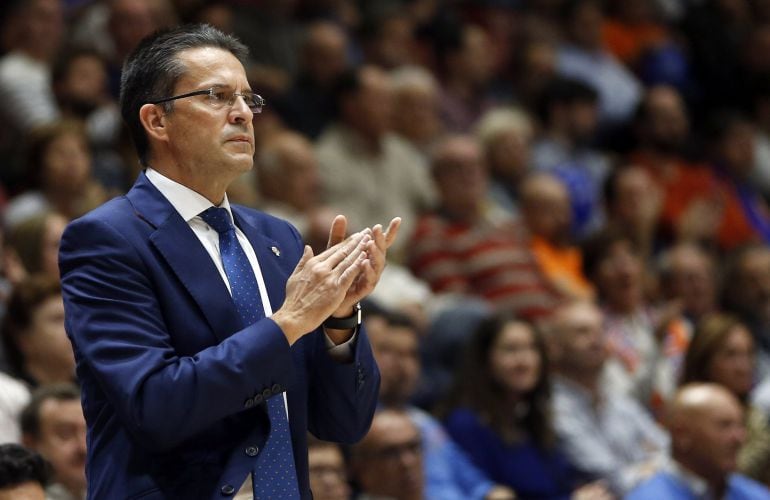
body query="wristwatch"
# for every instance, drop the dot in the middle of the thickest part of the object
(347, 322)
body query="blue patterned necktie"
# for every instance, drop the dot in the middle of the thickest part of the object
(275, 475)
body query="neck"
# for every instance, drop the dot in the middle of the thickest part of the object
(717, 481)
(213, 189)
(586, 379)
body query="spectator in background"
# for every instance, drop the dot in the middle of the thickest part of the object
(499, 413)
(59, 175)
(289, 186)
(33, 335)
(23, 473)
(388, 39)
(745, 213)
(35, 31)
(388, 461)
(466, 67)
(632, 204)
(722, 352)
(448, 472)
(328, 471)
(746, 293)
(367, 171)
(545, 209)
(34, 242)
(128, 22)
(308, 105)
(82, 92)
(606, 435)
(53, 425)
(631, 30)
(415, 107)
(468, 247)
(506, 136)
(568, 112)
(644, 348)
(691, 205)
(585, 58)
(14, 396)
(707, 431)
(688, 274)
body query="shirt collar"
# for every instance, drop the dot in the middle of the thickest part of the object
(187, 202)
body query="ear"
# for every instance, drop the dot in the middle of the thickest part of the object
(153, 119)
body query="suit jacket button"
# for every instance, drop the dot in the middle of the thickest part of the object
(252, 451)
(277, 389)
(249, 403)
(227, 489)
(258, 399)
(267, 393)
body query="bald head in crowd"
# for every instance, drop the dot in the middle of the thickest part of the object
(707, 429)
(460, 174)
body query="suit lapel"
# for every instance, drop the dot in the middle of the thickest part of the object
(183, 252)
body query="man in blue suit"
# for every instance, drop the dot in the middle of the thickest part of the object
(208, 339)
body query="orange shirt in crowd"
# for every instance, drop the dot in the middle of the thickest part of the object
(563, 267)
(628, 42)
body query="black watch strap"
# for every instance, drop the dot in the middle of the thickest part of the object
(345, 323)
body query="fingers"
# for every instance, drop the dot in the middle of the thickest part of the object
(337, 231)
(341, 254)
(392, 232)
(307, 254)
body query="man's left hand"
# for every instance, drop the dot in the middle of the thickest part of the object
(376, 251)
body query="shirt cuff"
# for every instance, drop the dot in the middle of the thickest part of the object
(342, 353)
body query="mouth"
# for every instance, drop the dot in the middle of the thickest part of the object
(241, 139)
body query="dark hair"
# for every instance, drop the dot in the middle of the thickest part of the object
(30, 415)
(598, 246)
(24, 300)
(475, 387)
(19, 465)
(563, 91)
(152, 70)
(710, 335)
(63, 62)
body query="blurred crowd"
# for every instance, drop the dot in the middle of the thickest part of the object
(578, 304)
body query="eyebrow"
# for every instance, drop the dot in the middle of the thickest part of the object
(227, 86)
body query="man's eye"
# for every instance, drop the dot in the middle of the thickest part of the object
(220, 95)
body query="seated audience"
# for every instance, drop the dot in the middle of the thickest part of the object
(706, 423)
(500, 413)
(644, 348)
(688, 274)
(33, 335)
(368, 172)
(545, 208)
(722, 352)
(53, 425)
(606, 435)
(23, 473)
(34, 242)
(388, 461)
(746, 293)
(468, 247)
(289, 186)
(449, 474)
(506, 135)
(327, 468)
(58, 172)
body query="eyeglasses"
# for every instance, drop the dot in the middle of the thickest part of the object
(219, 97)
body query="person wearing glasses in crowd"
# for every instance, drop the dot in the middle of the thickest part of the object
(208, 339)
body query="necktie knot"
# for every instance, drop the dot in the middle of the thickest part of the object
(217, 218)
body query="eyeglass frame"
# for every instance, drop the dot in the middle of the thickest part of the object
(210, 91)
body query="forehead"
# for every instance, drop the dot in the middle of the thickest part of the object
(210, 66)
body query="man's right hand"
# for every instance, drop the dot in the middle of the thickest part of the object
(318, 285)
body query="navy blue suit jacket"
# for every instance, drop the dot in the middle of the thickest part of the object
(172, 383)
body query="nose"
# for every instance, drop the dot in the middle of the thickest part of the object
(240, 112)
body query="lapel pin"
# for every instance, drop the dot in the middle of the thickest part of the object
(276, 251)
